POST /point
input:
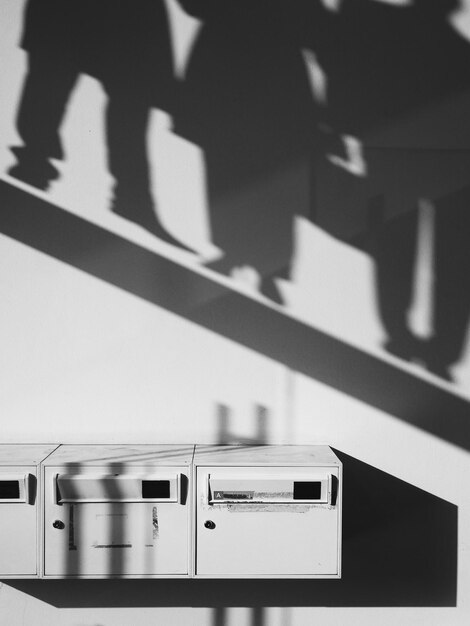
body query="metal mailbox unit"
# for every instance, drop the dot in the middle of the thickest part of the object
(267, 512)
(117, 511)
(19, 508)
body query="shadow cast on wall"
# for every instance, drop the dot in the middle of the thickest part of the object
(128, 50)
(401, 113)
(117, 261)
(246, 100)
(399, 549)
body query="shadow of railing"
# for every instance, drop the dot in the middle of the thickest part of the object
(249, 322)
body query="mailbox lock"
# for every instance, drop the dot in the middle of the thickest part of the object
(59, 524)
(209, 524)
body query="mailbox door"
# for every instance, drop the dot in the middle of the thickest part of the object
(18, 522)
(114, 538)
(267, 535)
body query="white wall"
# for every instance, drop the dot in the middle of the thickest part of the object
(84, 361)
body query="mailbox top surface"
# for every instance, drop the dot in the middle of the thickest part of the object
(265, 455)
(24, 454)
(141, 454)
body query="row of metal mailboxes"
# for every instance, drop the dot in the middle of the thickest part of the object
(146, 511)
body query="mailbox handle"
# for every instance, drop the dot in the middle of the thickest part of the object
(334, 490)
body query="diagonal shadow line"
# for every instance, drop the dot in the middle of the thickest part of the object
(182, 291)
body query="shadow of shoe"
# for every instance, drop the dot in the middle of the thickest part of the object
(411, 348)
(406, 347)
(270, 290)
(435, 361)
(440, 369)
(148, 220)
(36, 174)
(221, 265)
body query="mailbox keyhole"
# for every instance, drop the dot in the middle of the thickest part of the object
(209, 524)
(59, 524)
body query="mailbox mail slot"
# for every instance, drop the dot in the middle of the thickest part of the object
(117, 511)
(81, 488)
(267, 512)
(15, 488)
(19, 510)
(306, 489)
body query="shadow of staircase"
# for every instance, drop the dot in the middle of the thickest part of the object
(267, 330)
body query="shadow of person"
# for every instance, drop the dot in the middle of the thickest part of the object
(125, 44)
(394, 74)
(451, 297)
(247, 103)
